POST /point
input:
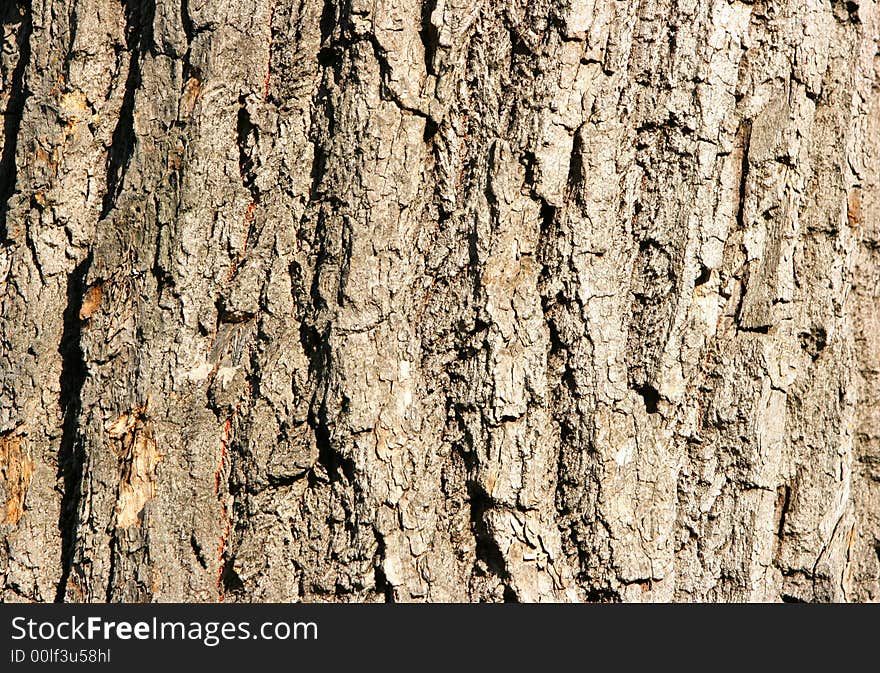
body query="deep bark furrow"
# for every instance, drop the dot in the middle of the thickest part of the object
(70, 454)
(13, 112)
(137, 22)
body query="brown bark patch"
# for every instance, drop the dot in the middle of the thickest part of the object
(191, 92)
(91, 302)
(16, 470)
(854, 208)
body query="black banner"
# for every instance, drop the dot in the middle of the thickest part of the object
(405, 637)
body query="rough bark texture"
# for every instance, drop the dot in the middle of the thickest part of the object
(450, 300)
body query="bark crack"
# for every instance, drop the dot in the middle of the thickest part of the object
(71, 454)
(138, 22)
(12, 121)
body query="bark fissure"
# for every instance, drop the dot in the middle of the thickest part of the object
(71, 456)
(138, 35)
(12, 118)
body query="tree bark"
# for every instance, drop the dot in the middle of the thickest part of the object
(448, 300)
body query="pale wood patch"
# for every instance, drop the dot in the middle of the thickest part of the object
(16, 470)
(139, 457)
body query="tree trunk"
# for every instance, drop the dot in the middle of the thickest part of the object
(453, 301)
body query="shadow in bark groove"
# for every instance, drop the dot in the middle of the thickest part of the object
(71, 453)
(650, 396)
(138, 36)
(792, 599)
(486, 547)
(338, 467)
(429, 35)
(13, 113)
(383, 585)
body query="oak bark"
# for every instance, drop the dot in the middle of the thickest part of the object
(450, 300)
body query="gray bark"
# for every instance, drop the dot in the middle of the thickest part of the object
(445, 300)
